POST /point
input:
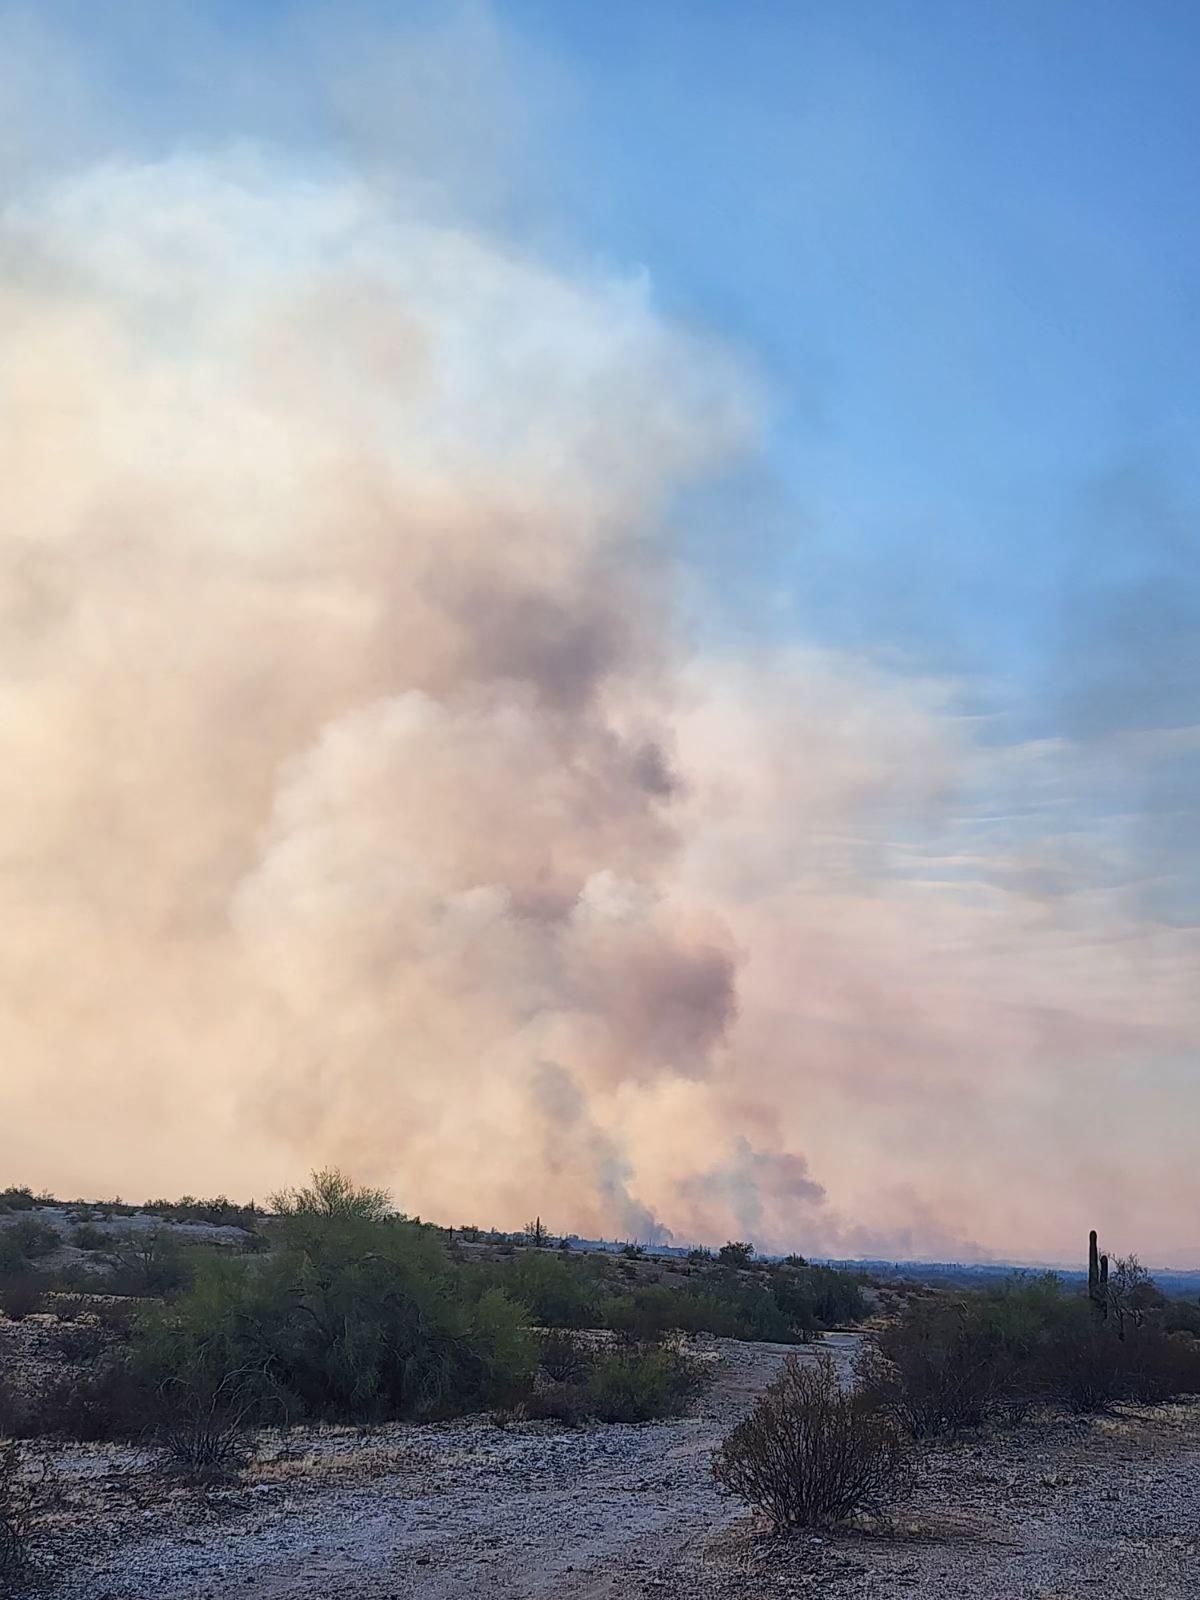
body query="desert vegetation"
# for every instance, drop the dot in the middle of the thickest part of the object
(334, 1306)
(195, 1338)
(814, 1451)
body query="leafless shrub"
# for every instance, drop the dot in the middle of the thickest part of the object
(565, 1357)
(568, 1403)
(205, 1430)
(811, 1452)
(79, 1341)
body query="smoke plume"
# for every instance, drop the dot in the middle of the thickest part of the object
(367, 801)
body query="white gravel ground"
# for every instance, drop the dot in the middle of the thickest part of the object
(1062, 1509)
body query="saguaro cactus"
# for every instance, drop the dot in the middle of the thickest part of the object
(1097, 1276)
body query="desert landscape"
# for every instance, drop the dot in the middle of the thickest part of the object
(599, 800)
(1010, 1482)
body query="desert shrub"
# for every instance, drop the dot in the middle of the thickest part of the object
(111, 1401)
(146, 1263)
(946, 1372)
(737, 1253)
(204, 1428)
(79, 1341)
(568, 1403)
(87, 1236)
(26, 1241)
(330, 1195)
(557, 1293)
(34, 1238)
(946, 1365)
(734, 1306)
(350, 1318)
(1181, 1316)
(21, 1297)
(952, 1364)
(1161, 1366)
(825, 1295)
(1093, 1368)
(26, 1498)
(640, 1383)
(811, 1452)
(647, 1313)
(563, 1357)
(16, 1198)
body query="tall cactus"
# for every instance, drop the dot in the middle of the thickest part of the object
(1097, 1276)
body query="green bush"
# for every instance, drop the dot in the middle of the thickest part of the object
(1181, 1316)
(35, 1238)
(25, 1241)
(147, 1263)
(558, 1293)
(350, 1318)
(640, 1384)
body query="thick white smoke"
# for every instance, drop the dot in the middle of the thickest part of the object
(364, 801)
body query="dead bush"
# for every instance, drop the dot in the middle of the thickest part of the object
(205, 1430)
(568, 1403)
(811, 1452)
(109, 1402)
(564, 1357)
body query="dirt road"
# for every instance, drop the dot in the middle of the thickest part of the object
(452, 1512)
(470, 1511)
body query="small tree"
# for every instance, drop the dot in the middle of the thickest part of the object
(737, 1253)
(1131, 1293)
(811, 1452)
(535, 1234)
(330, 1193)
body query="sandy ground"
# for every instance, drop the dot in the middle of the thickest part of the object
(473, 1510)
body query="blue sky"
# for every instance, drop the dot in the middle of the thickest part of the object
(966, 253)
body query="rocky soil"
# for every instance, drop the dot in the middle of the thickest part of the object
(472, 1509)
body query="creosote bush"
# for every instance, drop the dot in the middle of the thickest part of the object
(812, 1452)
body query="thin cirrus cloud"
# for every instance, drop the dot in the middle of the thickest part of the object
(370, 802)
